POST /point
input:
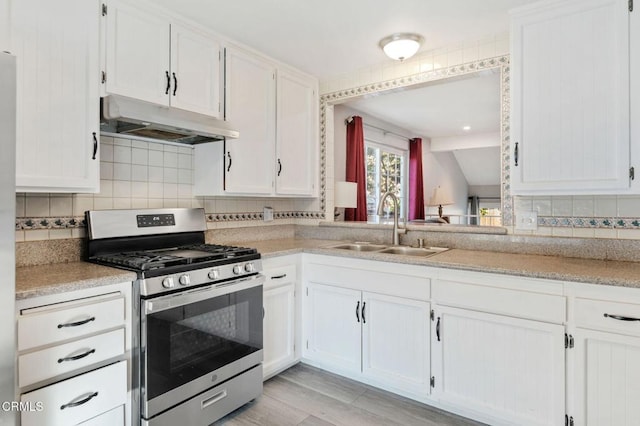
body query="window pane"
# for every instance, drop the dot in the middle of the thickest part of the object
(385, 172)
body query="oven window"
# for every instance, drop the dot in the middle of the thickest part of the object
(187, 342)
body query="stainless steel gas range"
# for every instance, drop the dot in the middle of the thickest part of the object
(197, 314)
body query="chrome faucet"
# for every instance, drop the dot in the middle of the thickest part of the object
(396, 231)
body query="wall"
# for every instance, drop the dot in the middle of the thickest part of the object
(577, 216)
(135, 174)
(438, 168)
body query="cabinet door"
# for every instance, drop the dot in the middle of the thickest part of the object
(607, 379)
(56, 45)
(195, 72)
(138, 54)
(570, 98)
(296, 135)
(506, 368)
(250, 106)
(395, 342)
(279, 331)
(334, 327)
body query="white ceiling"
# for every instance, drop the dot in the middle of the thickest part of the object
(442, 109)
(331, 37)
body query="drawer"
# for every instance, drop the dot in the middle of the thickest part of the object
(43, 364)
(113, 417)
(78, 399)
(69, 320)
(278, 276)
(515, 303)
(609, 316)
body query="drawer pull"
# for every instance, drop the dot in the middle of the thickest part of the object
(621, 318)
(77, 403)
(217, 397)
(76, 357)
(277, 277)
(75, 324)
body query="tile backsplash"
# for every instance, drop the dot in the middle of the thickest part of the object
(137, 174)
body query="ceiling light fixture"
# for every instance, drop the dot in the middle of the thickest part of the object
(401, 46)
(466, 128)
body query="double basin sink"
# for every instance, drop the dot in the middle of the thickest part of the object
(402, 250)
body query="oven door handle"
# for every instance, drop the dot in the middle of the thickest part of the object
(170, 301)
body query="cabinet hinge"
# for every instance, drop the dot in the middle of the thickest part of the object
(568, 420)
(104, 9)
(630, 5)
(104, 77)
(432, 315)
(307, 291)
(432, 381)
(568, 341)
(307, 344)
(632, 173)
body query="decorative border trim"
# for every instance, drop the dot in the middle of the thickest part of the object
(501, 62)
(586, 222)
(34, 223)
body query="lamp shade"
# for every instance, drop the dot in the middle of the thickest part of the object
(346, 194)
(439, 198)
(401, 46)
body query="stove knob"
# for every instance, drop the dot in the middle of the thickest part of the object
(237, 270)
(184, 280)
(249, 267)
(168, 282)
(214, 274)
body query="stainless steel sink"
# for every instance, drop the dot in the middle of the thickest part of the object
(359, 247)
(413, 251)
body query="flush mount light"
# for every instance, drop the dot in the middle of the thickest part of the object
(401, 46)
(466, 128)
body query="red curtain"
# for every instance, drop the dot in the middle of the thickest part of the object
(416, 190)
(356, 168)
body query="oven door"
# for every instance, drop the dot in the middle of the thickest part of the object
(196, 339)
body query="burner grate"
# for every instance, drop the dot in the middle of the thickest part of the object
(184, 255)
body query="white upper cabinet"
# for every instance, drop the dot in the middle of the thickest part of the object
(275, 111)
(297, 126)
(56, 45)
(154, 59)
(570, 98)
(195, 71)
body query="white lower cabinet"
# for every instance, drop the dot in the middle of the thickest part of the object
(380, 336)
(607, 379)
(605, 389)
(73, 355)
(508, 368)
(78, 399)
(279, 323)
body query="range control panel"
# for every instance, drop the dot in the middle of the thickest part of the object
(149, 220)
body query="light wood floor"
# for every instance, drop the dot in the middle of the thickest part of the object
(307, 396)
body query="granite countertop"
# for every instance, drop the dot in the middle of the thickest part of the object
(606, 272)
(42, 280)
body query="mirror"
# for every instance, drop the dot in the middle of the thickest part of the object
(458, 163)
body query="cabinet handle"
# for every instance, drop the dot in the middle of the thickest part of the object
(215, 398)
(621, 318)
(166, 92)
(263, 312)
(175, 83)
(75, 324)
(76, 357)
(277, 277)
(82, 401)
(438, 329)
(364, 320)
(358, 311)
(229, 156)
(515, 154)
(95, 146)
(279, 167)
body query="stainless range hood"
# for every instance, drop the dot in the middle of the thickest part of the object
(127, 117)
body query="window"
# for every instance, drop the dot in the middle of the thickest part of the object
(386, 171)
